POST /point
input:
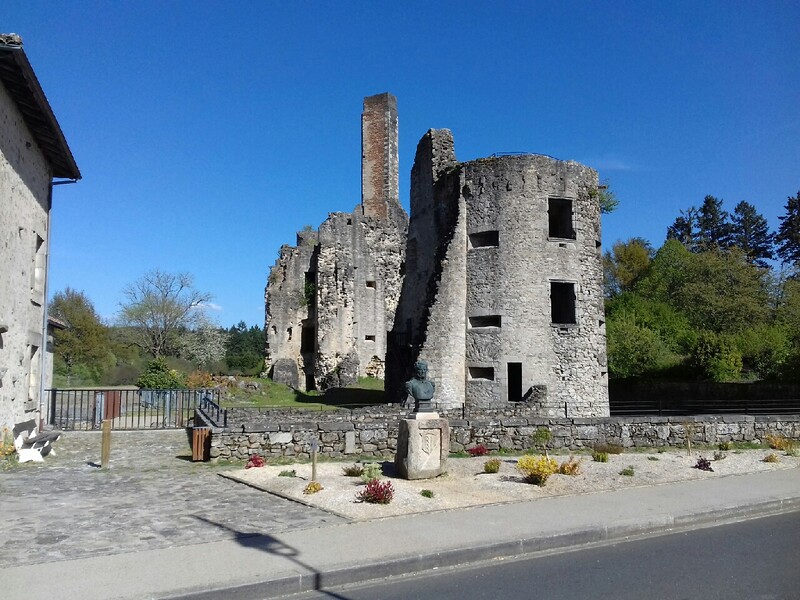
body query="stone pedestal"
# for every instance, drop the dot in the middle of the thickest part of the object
(423, 444)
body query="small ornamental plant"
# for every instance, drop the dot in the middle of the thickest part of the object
(718, 455)
(288, 473)
(479, 450)
(427, 493)
(536, 469)
(724, 446)
(570, 467)
(376, 492)
(491, 466)
(313, 487)
(370, 472)
(704, 464)
(780, 442)
(255, 461)
(627, 471)
(352, 470)
(771, 458)
(598, 456)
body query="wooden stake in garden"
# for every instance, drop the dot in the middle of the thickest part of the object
(314, 448)
(105, 450)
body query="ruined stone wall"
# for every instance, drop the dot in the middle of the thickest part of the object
(509, 283)
(482, 258)
(354, 274)
(25, 192)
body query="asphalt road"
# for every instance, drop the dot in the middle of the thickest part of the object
(757, 559)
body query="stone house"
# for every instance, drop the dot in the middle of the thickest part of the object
(502, 294)
(330, 300)
(33, 152)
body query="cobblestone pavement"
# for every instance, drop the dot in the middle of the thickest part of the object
(152, 496)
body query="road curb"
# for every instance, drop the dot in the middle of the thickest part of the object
(422, 562)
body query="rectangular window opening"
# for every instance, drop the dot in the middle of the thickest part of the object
(484, 239)
(371, 284)
(559, 213)
(369, 338)
(514, 382)
(562, 303)
(481, 373)
(485, 321)
(308, 338)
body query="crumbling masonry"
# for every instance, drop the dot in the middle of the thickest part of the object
(496, 281)
(330, 300)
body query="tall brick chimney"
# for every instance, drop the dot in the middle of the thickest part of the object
(379, 164)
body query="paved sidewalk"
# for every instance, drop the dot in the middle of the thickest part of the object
(247, 562)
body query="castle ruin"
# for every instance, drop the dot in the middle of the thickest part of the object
(503, 288)
(496, 281)
(331, 299)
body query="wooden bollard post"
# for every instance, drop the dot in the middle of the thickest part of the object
(105, 451)
(314, 448)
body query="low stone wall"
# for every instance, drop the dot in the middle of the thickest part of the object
(372, 432)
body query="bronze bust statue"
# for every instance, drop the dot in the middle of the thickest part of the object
(421, 388)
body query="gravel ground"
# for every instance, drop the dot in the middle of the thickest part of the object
(465, 483)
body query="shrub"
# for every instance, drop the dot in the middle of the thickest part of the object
(158, 376)
(627, 471)
(352, 470)
(772, 458)
(719, 455)
(704, 464)
(724, 446)
(371, 472)
(715, 357)
(633, 350)
(491, 466)
(288, 473)
(541, 438)
(427, 493)
(255, 461)
(200, 379)
(779, 442)
(536, 469)
(598, 456)
(479, 450)
(376, 492)
(652, 458)
(313, 487)
(570, 467)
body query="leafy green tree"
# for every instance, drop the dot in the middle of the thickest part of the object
(84, 342)
(625, 264)
(714, 227)
(633, 350)
(157, 307)
(718, 291)
(204, 344)
(788, 237)
(751, 234)
(715, 357)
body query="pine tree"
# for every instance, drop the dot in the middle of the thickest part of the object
(751, 234)
(713, 226)
(684, 228)
(788, 238)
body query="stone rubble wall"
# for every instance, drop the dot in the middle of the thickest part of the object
(372, 432)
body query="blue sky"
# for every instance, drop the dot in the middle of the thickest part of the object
(209, 132)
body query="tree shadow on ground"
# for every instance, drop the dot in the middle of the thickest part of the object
(272, 545)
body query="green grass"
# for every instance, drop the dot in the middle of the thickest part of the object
(366, 392)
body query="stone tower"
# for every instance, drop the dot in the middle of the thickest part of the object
(503, 288)
(330, 300)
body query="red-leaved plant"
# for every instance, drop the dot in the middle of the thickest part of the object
(479, 450)
(255, 461)
(376, 492)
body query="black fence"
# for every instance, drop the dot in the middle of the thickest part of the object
(86, 409)
(666, 398)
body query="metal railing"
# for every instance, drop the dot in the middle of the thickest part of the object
(688, 407)
(86, 409)
(213, 411)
